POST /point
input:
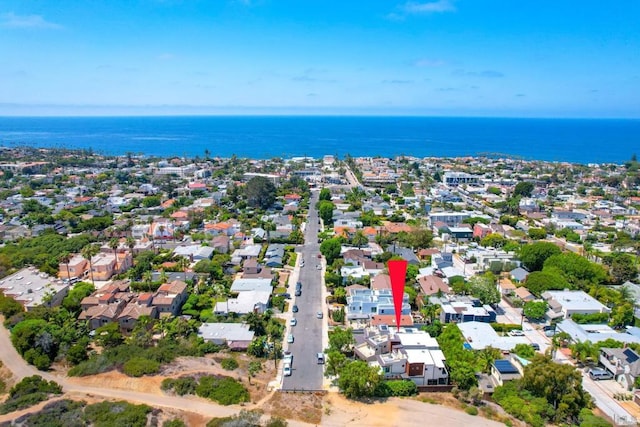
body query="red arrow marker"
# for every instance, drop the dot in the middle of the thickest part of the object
(397, 273)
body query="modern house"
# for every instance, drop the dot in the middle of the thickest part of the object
(364, 303)
(405, 354)
(459, 309)
(563, 304)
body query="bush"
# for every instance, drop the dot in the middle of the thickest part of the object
(402, 387)
(505, 327)
(471, 410)
(180, 386)
(229, 364)
(117, 414)
(224, 390)
(28, 392)
(137, 367)
(174, 423)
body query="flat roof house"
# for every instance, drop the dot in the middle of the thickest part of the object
(32, 288)
(566, 303)
(236, 336)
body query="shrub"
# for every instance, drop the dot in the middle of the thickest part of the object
(28, 392)
(174, 423)
(402, 387)
(471, 410)
(224, 390)
(180, 386)
(229, 364)
(138, 366)
(254, 368)
(117, 414)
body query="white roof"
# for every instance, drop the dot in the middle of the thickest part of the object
(251, 284)
(481, 335)
(577, 300)
(226, 331)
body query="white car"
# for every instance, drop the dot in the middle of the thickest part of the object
(318, 267)
(286, 370)
(293, 322)
(516, 333)
(302, 264)
(290, 339)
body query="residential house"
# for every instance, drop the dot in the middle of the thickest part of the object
(565, 303)
(431, 285)
(519, 274)
(221, 244)
(406, 254)
(76, 268)
(623, 363)
(480, 335)
(253, 296)
(408, 353)
(502, 370)
(236, 336)
(104, 265)
(365, 303)
(460, 309)
(169, 298)
(524, 294)
(132, 312)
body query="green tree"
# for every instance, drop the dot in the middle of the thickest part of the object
(577, 269)
(534, 255)
(359, 239)
(584, 351)
(358, 379)
(559, 384)
(109, 336)
(537, 233)
(484, 288)
(336, 360)
(325, 211)
(341, 339)
(542, 281)
(535, 309)
(621, 268)
(325, 194)
(260, 192)
(330, 248)
(493, 240)
(524, 350)
(523, 188)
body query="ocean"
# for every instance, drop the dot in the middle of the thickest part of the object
(571, 140)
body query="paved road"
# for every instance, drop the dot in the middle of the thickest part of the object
(307, 374)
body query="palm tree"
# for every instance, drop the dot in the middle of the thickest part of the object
(113, 244)
(163, 276)
(88, 252)
(131, 243)
(65, 257)
(146, 278)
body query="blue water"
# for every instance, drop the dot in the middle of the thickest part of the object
(574, 140)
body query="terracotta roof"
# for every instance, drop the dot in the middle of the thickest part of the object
(430, 285)
(390, 319)
(381, 281)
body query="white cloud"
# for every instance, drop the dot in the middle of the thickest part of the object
(11, 20)
(439, 6)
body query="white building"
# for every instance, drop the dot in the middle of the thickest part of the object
(566, 303)
(32, 288)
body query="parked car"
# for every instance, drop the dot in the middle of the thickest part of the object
(293, 322)
(597, 374)
(516, 333)
(284, 295)
(320, 358)
(286, 370)
(290, 338)
(294, 309)
(535, 346)
(319, 315)
(298, 292)
(318, 267)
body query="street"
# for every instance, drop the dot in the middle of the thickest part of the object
(308, 334)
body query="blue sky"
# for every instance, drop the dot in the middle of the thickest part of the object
(440, 57)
